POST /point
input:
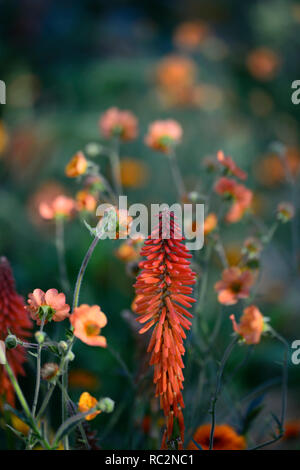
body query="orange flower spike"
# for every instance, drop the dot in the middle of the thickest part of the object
(87, 323)
(251, 325)
(231, 166)
(50, 303)
(14, 317)
(77, 166)
(166, 266)
(86, 402)
(235, 285)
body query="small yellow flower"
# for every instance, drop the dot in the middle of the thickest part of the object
(86, 402)
(19, 425)
(77, 165)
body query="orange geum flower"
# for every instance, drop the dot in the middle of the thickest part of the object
(86, 402)
(263, 63)
(134, 172)
(235, 285)
(61, 206)
(77, 165)
(85, 201)
(163, 135)
(251, 325)
(210, 223)
(117, 123)
(176, 72)
(191, 34)
(231, 166)
(225, 438)
(50, 304)
(240, 196)
(87, 323)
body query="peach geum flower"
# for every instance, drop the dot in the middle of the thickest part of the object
(163, 135)
(61, 206)
(238, 193)
(85, 201)
(51, 303)
(86, 402)
(77, 165)
(117, 123)
(225, 438)
(251, 325)
(235, 285)
(14, 317)
(87, 323)
(231, 166)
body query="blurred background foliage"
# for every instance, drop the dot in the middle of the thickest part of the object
(228, 83)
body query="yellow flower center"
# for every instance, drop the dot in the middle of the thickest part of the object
(92, 329)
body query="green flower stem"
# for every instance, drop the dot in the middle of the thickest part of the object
(179, 184)
(25, 407)
(60, 248)
(45, 401)
(82, 271)
(218, 388)
(284, 382)
(38, 371)
(115, 166)
(64, 364)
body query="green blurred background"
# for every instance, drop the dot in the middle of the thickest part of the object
(64, 63)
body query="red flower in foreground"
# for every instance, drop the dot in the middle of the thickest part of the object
(14, 317)
(163, 290)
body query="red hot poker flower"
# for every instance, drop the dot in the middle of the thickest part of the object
(163, 289)
(13, 317)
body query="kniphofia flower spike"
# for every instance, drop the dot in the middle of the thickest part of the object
(163, 296)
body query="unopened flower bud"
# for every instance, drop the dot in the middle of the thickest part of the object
(11, 342)
(63, 346)
(93, 149)
(2, 353)
(106, 405)
(40, 336)
(49, 371)
(70, 356)
(285, 212)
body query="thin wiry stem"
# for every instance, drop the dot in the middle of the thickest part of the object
(38, 371)
(82, 271)
(25, 407)
(217, 390)
(114, 156)
(60, 248)
(176, 175)
(284, 382)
